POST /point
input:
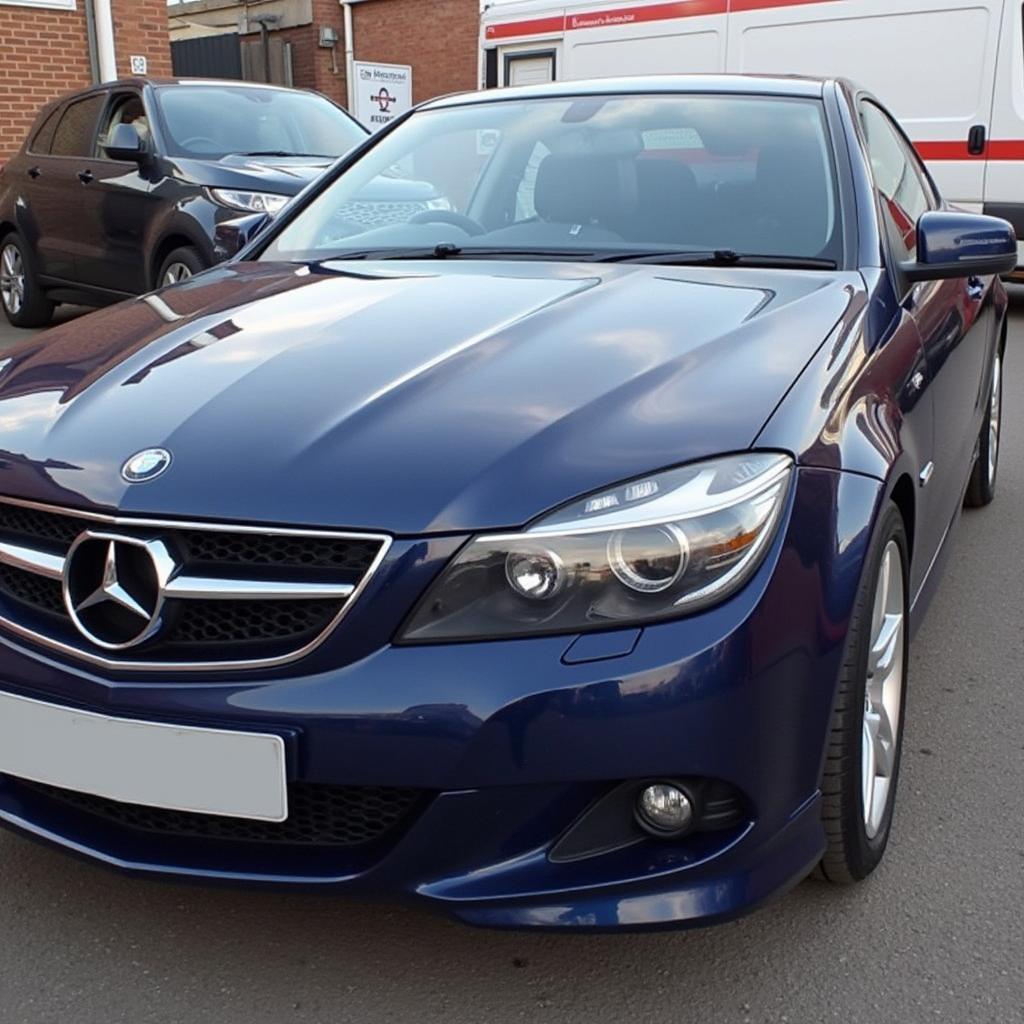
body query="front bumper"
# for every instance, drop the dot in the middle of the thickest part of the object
(511, 741)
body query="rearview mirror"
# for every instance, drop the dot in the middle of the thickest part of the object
(125, 143)
(953, 244)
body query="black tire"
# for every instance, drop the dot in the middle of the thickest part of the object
(186, 256)
(982, 486)
(852, 854)
(30, 307)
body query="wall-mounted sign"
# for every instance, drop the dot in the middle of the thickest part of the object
(139, 65)
(382, 92)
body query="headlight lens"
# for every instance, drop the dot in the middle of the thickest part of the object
(655, 548)
(251, 202)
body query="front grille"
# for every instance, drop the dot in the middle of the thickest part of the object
(269, 594)
(232, 622)
(257, 549)
(32, 590)
(369, 214)
(32, 524)
(318, 815)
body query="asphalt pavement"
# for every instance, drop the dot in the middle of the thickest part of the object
(936, 935)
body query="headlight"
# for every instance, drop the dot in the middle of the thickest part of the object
(251, 202)
(653, 548)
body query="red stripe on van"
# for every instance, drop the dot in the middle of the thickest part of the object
(996, 149)
(635, 16)
(739, 6)
(535, 27)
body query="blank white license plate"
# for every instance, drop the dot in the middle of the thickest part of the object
(181, 768)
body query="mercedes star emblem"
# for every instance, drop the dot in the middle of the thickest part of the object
(114, 588)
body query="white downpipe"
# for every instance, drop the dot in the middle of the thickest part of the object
(350, 58)
(105, 39)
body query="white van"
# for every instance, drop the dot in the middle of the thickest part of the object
(953, 72)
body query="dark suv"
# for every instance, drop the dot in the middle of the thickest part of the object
(122, 187)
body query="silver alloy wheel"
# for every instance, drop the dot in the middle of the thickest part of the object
(176, 272)
(12, 279)
(994, 416)
(883, 693)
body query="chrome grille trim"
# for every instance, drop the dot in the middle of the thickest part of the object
(185, 586)
(42, 563)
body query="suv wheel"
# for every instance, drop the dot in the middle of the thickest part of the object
(982, 486)
(179, 265)
(863, 757)
(25, 303)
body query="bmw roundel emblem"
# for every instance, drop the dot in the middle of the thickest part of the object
(146, 465)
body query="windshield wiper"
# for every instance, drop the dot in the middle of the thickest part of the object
(280, 152)
(720, 258)
(451, 250)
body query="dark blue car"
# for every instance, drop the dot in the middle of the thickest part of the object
(552, 557)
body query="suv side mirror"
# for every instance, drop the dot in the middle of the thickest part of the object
(125, 143)
(954, 244)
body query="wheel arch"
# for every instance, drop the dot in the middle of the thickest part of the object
(904, 495)
(163, 249)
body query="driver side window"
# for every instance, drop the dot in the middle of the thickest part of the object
(126, 108)
(901, 188)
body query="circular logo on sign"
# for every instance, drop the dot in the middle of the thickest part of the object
(146, 465)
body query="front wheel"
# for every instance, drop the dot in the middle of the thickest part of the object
(982, 486)
(25, 303)
(863, 757)
(179, 265)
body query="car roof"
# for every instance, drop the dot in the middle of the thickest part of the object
(140, 82)
(765, 85)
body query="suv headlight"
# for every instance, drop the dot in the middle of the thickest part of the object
(652, 548)
(251, 202)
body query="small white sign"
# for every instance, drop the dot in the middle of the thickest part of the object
(382, 91)
(139, 65)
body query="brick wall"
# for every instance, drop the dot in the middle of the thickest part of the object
(439, 38)
(42, 54)
(140, 29)
(45, 53)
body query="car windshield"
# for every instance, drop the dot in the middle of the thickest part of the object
(211, 122)
(687, 178)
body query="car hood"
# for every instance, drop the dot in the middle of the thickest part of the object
(288, 176)
(408, 397)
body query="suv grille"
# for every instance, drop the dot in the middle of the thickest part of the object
(369, 214)
(232, 597)
(318, 815)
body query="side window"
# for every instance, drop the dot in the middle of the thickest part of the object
(125, 108)
(43, 138)
(75, 132)
(903, 191)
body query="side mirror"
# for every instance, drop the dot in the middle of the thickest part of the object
(953, 244)
(125, 143)
(231, 236)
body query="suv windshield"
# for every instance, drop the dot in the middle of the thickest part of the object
(211, 122)
(687, 177)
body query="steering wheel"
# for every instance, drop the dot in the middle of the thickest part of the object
(457, 220)
(214, 146)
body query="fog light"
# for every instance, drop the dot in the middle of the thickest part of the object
(664, 809)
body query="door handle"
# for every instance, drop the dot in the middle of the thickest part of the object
(85, 176)
(976, 140)
(975, 288)
(34, 172)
